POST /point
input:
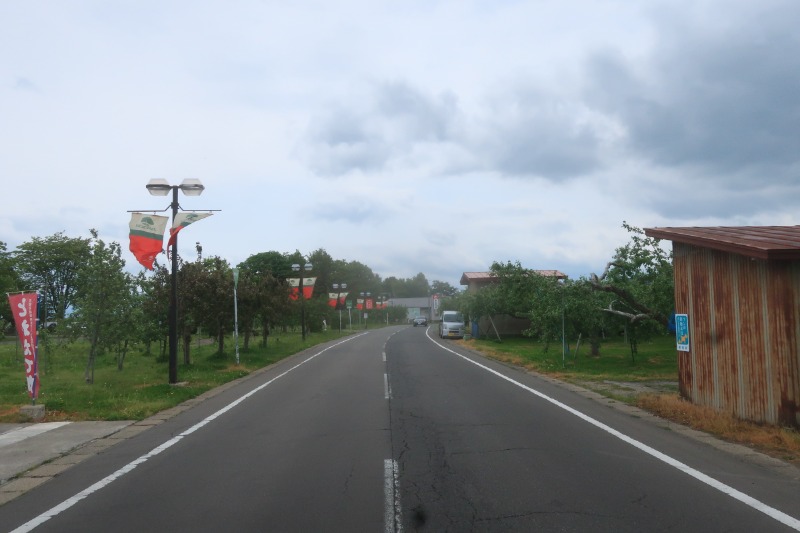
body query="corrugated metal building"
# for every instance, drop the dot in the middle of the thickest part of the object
(740, 287)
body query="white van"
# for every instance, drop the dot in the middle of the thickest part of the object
(452, 325)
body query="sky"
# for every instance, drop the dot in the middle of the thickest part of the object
(411, 136)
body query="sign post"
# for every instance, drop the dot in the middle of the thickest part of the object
(236, 312)
(682, 332)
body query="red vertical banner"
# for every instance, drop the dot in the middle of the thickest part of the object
(23, 307)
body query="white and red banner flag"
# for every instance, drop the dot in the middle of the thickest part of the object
(294, 292)
(332, 296)
(182, 220)
(308, 287)
(147, 237)
(24, 309)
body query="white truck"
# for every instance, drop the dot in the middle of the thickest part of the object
(452, 325)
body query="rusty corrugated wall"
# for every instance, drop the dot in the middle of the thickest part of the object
(744, 325)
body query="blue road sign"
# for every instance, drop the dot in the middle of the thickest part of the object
(682, 332)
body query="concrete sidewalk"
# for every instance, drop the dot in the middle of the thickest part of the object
(30, 454)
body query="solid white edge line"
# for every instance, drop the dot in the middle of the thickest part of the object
(69, 502)
(398, 511)
(388, 497)
(722, 487)
(391, 493)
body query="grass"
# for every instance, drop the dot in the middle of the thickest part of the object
(141, 389)
(655, 360)
(617, 375)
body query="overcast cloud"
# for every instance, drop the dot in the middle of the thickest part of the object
(432, 137)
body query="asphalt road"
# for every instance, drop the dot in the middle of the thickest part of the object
(394, 430)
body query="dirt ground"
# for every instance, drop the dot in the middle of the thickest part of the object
(628, 389)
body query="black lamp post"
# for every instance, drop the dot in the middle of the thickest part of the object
(160, 187)
(339, 305)
(381, 305)
(365, 298)
(296, 268)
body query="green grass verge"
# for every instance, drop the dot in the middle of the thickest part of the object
(141, 389)
(656, 359)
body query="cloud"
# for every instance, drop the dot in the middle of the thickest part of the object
(415, 116)
(698, 201)
(530, 133)
(351, 211)
(521, 132)
(721, 97)
(345, 141)
(374, 134)
(24, 84)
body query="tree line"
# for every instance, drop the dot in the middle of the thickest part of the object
(634, 295)
(86, 293)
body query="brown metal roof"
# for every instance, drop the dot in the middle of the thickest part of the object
(487, 277)
(474, 276)
(762, 242)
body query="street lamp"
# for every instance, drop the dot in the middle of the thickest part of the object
(379, 305)
(563, 326)
(365, 297)
(296, 268)
(236, 312)
(336, 287)
(160, 187)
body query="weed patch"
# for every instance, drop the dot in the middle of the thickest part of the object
(782, 443)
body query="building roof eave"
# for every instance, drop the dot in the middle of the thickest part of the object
(760, 242)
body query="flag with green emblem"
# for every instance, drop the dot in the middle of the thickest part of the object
(147, 237)
(182, 220)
